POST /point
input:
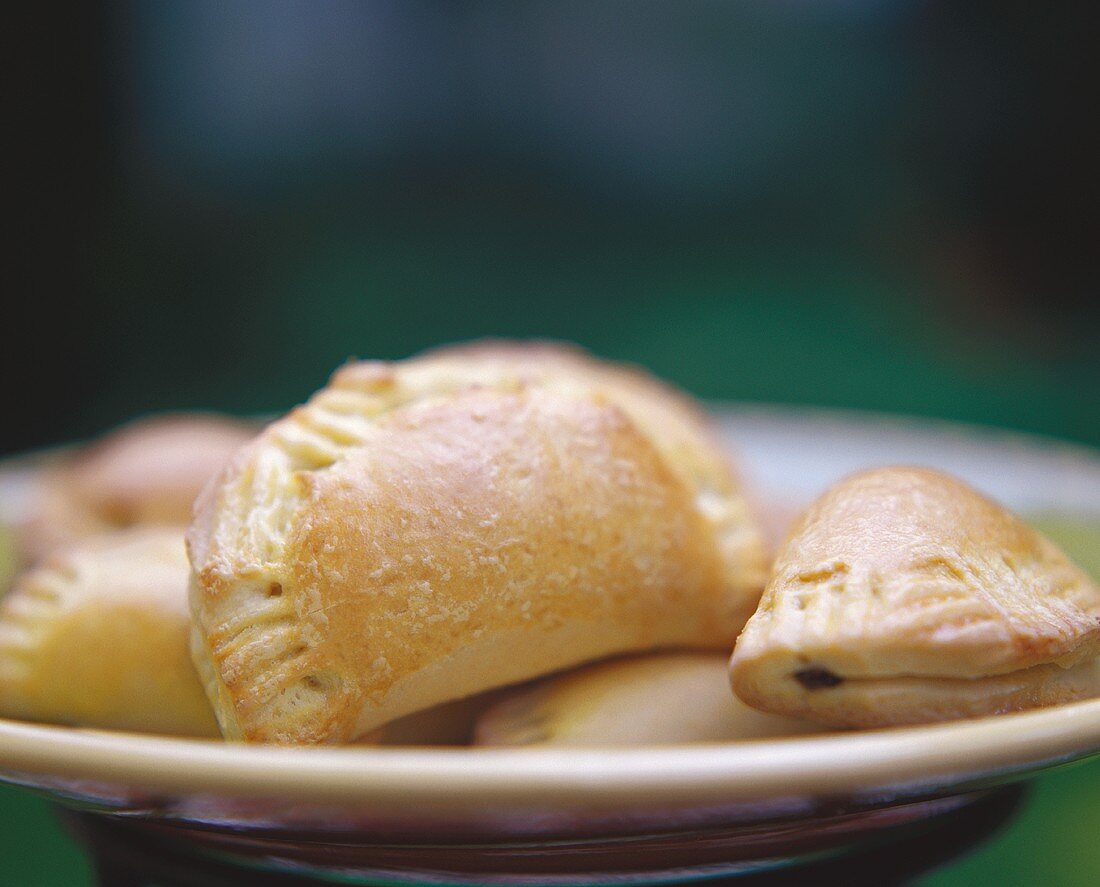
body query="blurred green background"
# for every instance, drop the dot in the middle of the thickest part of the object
(860, 203)
(887, 205)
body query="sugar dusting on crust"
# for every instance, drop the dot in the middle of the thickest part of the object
(257, 649)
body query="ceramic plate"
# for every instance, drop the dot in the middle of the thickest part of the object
(577, 815)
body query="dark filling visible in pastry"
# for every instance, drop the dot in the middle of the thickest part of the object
(816, 678)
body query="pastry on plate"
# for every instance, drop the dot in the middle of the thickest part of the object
(97, 636)
(425, 530)
(146, 472)
(904, 596)
(655, 699)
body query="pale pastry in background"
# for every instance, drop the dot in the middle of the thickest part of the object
(426, 530)
(146, 472)
(657, 699)
(21, 492)
(451, 723)
(904, 596)
(97, 636)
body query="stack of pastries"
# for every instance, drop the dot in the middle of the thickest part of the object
(513, 544)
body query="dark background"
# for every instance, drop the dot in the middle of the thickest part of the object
(886, 205)
(855, 203)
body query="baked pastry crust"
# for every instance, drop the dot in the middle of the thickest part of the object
(903, 596)
(149, 471)
(425, 530)
(654, 699)
(97, 636)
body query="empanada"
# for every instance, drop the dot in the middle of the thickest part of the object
(656, 699)
(425, 530)
(97, 636)
(903, 596)
(147, 472)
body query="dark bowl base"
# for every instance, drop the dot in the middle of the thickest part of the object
(885, 846)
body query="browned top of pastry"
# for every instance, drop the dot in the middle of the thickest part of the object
(428, 529)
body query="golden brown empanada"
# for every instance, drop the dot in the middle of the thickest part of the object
(97, 636)
(656, 699)
(903, 596)
(425, 530)
(147, 472)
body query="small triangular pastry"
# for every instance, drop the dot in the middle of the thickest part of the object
(903, 596)
(97, 636)
(658, 699)
(425, 530)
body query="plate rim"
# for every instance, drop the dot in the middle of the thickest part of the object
(468, 779)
